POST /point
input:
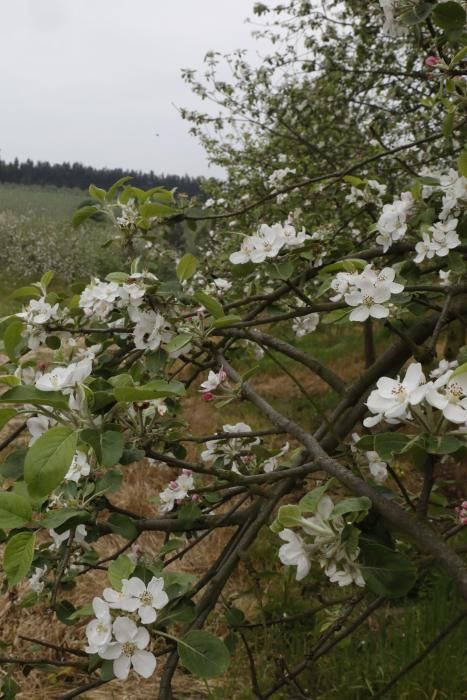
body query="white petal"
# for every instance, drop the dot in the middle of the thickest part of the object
(122, 667)
(361, 313)
(147, 614)
(111, 651)
(141, 638)
(133, 587)
(124, 629)
(144, 663)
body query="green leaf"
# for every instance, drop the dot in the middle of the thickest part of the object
(287, 516)
(26, 293)
(154, 390)
(225, 321)
(417, 14)
(386, 572)
(55, 518)
(9, 688)
(441, 445)
(151, 209)
(186, 268)
(309, 502)
(97, 193)
(47, 278)
(448, 124)
(15, 510)
(116, 186)
(6, 414)
(28, 394)
(110, 482)
(387, 444)
(12, 338)
(209, 303)
(83, 213)
(119, 569)
(351, 505)
(13, 466)
(178, 342)
(108, 446)
(462, 164)
(18, 555)
(49, 459)
(449, 15)
(203, 654)
(348, 265)
(123, 525)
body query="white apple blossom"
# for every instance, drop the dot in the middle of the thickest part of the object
(60, 538)
(392, 223)
(232, 451)
(176, 491)
(145, 600)
(79, 467)
(128, 650)
(272, 463)
(369, 301)
(99, 631)
(65, 378)
(302, 325)
(392, 398)
(35, 581)
(36, 314)
(295, 553)
(37, 426)
(293, 238)
(99, 299)
(443, 367)
(276, 178)
(151, 329)
(448, 393)
(213, 381)
(391, 26)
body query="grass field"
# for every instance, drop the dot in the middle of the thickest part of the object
(36, 235)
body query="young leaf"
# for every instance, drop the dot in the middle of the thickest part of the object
(203, 654)
(15, 510)
(18, 555)
(49, 459)
(119, 569)
(186, 268)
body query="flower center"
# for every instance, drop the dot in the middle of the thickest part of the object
(129, 648)
(367, 300)
(146, 598)
(101, 628)
(455, 391)
(399, 392)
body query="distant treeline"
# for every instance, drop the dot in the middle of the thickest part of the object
(79, 175)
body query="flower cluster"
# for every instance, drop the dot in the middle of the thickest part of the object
(392, 223)
(394, 400)
(122, 640)
(177, 491)
(441, 239)
(327, 537)
(267, 243)
(99, 299)
(367, 291)
(36, 314)
(451, 185)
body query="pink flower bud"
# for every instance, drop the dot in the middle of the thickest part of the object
(221, 375)
(208, 396)
(195, 497)
(432, 61)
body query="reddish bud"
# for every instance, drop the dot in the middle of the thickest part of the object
(208, 396)
(432, 61)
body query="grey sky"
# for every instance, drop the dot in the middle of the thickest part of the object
(96, 80)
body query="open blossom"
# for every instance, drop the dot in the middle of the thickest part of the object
(36, 314)
(392, 398)
(35, 581)
(441, 239)
(378, 468)
(99, 630)
(65, 378)
(176, 491)
(37, 426)
(267, 243)
(392, 223)
(271, 464)
(233, 451)
(145, 600)
(302, 325)
(60, 538)
(391, 26)
(277, 176)
(293, 238)
(128, 650)
(213, 381)
(448, 393)
(151, 329)
(295, 553)
(368, 292)
(79, 467)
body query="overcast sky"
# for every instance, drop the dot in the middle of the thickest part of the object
(96, 80)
